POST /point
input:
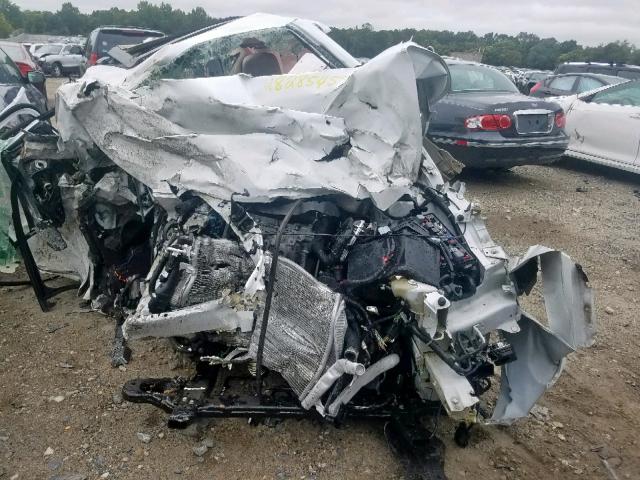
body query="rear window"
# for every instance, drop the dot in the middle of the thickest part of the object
(631, 74)
(570, 69)
(563, 84)
(588, 83)
(627, 94)
(52, 49)
(478, 78)
(605, 70)
(9, 74)
(14, 51)
(106, 40)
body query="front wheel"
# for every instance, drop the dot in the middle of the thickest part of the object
(57, 69)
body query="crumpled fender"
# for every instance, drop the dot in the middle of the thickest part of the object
(541, 350)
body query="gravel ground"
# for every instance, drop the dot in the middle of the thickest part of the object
(61, 415)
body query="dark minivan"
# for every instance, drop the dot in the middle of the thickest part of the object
(631, 72)
(103, 39)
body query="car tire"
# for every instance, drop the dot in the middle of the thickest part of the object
(56, 69)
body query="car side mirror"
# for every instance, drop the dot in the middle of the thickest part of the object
(35, 77)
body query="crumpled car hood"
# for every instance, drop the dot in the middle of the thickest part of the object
(352, 131)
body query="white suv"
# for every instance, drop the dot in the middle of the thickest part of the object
(69, 59)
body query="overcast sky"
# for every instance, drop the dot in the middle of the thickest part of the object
(589, 21)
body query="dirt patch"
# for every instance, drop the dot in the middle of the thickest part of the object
(58, 391)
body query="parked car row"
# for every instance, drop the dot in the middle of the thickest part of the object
(486, 123)
(493, 117)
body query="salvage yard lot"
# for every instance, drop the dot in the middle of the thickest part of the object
(59, 392)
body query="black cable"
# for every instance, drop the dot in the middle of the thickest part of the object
(444, 356)
(18, 106)
(386, 318)
(269, 296)
(14, 130)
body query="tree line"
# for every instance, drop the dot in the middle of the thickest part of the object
(523, 50)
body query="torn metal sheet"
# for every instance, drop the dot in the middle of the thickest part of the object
(540, 360)
(568, 300)
(541, 350)
(350, 131)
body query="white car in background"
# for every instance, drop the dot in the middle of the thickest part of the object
(604, 125)
(61, 60)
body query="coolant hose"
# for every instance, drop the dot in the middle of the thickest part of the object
(375, 370)
(341, 367)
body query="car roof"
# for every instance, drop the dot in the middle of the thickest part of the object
(5, 42)
(458, 61)
(116, 28)
(602, 64)
(18, 49)
(601, 76)
(604, 87)
(566, 67)
(250, 23)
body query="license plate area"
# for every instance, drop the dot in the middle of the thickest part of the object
(534, 121)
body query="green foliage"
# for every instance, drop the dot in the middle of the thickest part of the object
(70, 21)
(5, 27)
(522, 50)
(503, 52)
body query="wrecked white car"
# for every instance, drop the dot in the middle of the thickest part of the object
(252, 193)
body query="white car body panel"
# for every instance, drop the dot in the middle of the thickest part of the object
(602, 133)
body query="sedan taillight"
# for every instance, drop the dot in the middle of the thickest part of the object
(488, 122)
(24, 68)
(561, 119)
(93, 58)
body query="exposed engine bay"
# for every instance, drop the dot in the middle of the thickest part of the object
(332, 267)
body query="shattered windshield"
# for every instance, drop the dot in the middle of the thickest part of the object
(469, 77)
(13, 50)
(263, 52)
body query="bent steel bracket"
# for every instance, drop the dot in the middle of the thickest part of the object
(541, 350)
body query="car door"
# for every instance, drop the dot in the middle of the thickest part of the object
(63, 57)
(75, 56)
(606, 124)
